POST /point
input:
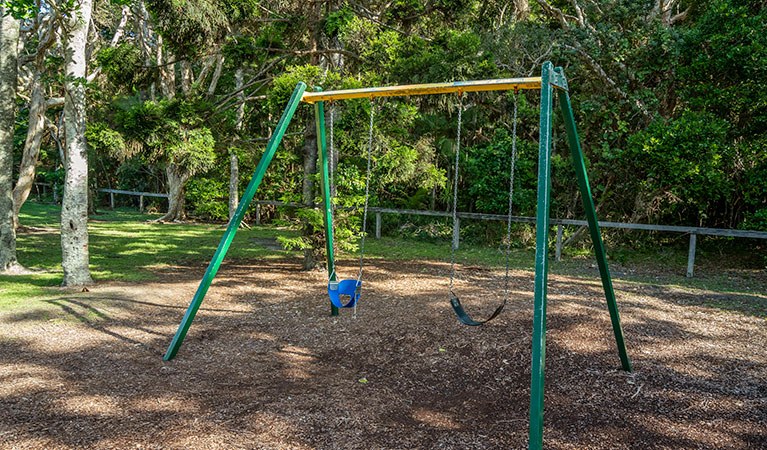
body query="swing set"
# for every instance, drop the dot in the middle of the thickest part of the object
(551, 80)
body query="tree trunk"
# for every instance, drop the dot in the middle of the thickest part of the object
(314, 247)
(74, 205)
(120, 30)
(176, 180)
(310, 170)
(234, 169)
(186, 77)
(167, 72)
(9, 53)
(216, 74)
(35, 131)
(234, 177)
(523, 9)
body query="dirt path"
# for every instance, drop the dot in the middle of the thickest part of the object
(264, 366)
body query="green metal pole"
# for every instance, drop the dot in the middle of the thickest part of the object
(234, 223)
(541, 262)
(327, 205)
(591, 217)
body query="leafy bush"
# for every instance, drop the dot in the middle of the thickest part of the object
(681, 167)
(208, 198)
(103, 139)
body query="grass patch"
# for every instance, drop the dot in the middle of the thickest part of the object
(125, 247)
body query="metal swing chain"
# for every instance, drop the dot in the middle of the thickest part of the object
(332, 149)
(367, 191)
(332, 182)
(511, 198)
(455, 190)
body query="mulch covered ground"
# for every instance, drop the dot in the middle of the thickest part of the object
(264, 366)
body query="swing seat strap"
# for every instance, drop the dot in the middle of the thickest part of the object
(465, 319)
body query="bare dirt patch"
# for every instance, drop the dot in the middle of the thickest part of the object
(264, 366)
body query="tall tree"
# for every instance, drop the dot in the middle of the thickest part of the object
(9, 39)
(42, 30)
(74, 205)
(234, 165)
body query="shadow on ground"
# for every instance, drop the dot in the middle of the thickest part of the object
(264, 366)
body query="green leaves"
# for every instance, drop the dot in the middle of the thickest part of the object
(19, 9)
(188, 26)
(683, 166)
(124, 68)
(103, 139)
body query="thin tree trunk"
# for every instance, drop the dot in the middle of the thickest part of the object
(35, 131)
(125, 14)
(234, 169)
(74, 205)
(206, 66)
(310, 170)
(9, 39)
(314, 248)
(216, 74)
(234, 176)
(186, 77)
(176, 180)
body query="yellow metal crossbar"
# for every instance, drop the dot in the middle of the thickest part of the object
(425, 89)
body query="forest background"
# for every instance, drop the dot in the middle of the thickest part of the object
(181, 96)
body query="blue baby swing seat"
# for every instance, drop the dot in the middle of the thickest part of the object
(351, 288)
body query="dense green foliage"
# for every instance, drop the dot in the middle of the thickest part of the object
(670, 107)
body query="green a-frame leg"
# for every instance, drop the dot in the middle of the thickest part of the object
(551, 78)
(234, 222)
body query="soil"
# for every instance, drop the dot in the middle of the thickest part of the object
(265, 366)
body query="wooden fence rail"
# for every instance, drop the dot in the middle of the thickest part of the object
(694, 232)
(141, 196)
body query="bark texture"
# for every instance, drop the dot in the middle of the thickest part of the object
(310, 170)
(234, 167)
(35, 131)
(216, 74)
(74, 205)
(234, 176)
(314, 247)
(186, 77)
(176, 180)
(167, 72)
(9, 38)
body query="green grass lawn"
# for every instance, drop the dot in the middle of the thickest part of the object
(124, 246)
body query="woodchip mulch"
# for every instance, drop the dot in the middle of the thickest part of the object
(264, 366)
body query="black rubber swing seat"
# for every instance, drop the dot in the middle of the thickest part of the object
(465, 319)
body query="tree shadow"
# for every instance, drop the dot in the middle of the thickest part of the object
(264, 366)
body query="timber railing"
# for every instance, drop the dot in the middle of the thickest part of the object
(692, 231)
(140, 195)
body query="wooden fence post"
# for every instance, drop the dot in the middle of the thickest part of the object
(258, 214)
(112, 200)
(691, 256)
(456, 232)
(559, 243)
(378, 225)
(141, 204)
